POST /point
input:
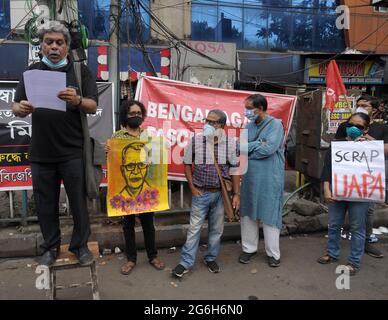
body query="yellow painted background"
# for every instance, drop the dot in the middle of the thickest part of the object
(156, 178)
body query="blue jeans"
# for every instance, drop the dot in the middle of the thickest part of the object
(208, 203)
(357, 219)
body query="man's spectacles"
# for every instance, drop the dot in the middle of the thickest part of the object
(132, 166)
(355, 125)
(59, 42)
(135, 114)
(211, 122)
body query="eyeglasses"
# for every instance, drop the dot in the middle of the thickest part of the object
(211, 122)
(135, 114)
(132, 166)
(355, 125)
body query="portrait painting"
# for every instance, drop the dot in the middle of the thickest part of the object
(137, 176)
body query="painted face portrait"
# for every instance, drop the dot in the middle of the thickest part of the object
(136, 182)
(134, 167)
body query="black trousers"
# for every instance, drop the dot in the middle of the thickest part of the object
(46, 181)
(147, 223)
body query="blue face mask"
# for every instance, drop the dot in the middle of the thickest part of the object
(208, 130)
(250, 114)
(353, 133)
(52, 65)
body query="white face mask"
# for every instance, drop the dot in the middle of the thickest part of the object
(362, 110)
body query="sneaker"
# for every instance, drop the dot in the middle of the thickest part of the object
(377, 232)
(373, 238)
(84, 256)
(373, 251)
(383, 230)
(273, 263)
(179, 271)
(212, 266)
(245, 257)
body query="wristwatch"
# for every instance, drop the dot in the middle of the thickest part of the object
(80, 101)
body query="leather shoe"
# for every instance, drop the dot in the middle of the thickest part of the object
(48, 258)
(84, 256)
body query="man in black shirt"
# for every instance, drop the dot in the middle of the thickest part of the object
(377, 131)
(56, 151)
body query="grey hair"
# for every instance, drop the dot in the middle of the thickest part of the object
(54, 26)
(221, 114)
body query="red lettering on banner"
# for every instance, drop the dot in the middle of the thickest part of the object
(221, 48)
(378, 185)
(186, 106)
(365, 186)
(354, 185)
(336, 194)
(366, 183)
(212, 48)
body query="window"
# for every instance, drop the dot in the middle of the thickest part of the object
(5, 24)
(94, 14)
(229, 26)
(380, 9)
(204, 22)
(255, 28)
(277, 25)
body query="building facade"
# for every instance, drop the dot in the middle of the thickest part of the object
(277, 45)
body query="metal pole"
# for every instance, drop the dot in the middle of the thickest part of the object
(11, 212)
(169, 193)
(68, 206)
(24, 212)
(114, 47)
(182, 195)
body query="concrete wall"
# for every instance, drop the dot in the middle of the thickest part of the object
(177, 17)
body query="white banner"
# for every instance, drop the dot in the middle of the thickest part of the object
(358, 170)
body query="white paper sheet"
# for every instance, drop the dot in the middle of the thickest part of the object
(42, 88)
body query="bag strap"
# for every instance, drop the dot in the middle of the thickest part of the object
(78, 78)
(261, 129)
(222, 181)
(78, 75)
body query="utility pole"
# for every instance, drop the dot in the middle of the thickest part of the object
(114, 54)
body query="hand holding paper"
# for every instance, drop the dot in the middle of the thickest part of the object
(70, 95)
(42, 88)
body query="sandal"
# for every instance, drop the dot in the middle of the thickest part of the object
(352, 269)
(326, 259)
(157, 264)
(126, 268)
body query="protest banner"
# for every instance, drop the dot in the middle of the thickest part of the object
(177, 109)
(137, 176)
(15, 135)
(358, 171)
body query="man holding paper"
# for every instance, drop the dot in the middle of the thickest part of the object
(49, 91)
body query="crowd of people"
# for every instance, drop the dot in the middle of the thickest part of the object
(257, 195)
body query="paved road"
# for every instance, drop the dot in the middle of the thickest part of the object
(299, 277)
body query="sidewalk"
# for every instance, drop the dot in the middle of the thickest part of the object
(25, 242)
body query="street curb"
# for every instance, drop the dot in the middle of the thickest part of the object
(14, 244)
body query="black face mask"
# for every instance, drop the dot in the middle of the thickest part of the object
(134, 122)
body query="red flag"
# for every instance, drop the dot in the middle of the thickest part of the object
(334, 85)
